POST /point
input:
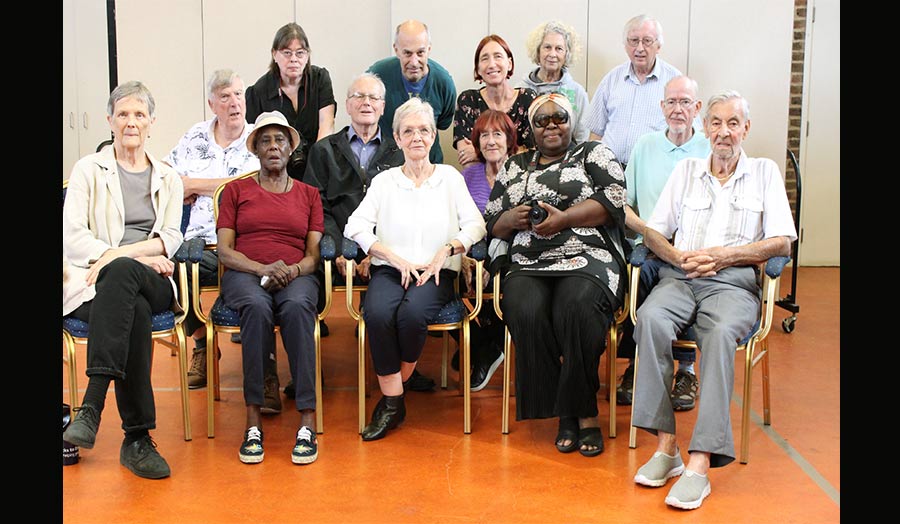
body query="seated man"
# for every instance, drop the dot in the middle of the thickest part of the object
(342, 166)
(727, 213)
(652, 160)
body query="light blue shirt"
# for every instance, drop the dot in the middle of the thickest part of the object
(652, 161)
(623, 109)
(363, 151)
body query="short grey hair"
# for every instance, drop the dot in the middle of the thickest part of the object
(537, 35)
(414, 105)
(638, 21)
(407, 22)
(691, 83)
(134, 89)
(381, 89)
(723, 96)
(220, 79)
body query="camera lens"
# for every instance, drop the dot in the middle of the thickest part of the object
(537, 214)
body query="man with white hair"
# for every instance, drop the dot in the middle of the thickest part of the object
(626, 103)
(727, 213)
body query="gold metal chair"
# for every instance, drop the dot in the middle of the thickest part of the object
(755, 345)
(458, 316)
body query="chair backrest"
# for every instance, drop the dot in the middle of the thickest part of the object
(217, 197)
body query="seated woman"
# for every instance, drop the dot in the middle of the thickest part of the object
(121, 223)
(554, 47)
(493, 136)
(414, 222)
(494, 67)
(269, 228)
(560, 207)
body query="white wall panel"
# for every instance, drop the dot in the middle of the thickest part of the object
(160, 44)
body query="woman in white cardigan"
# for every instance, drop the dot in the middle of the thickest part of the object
(415, 221)
(121, 224)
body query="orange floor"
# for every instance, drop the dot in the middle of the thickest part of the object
(429, 471)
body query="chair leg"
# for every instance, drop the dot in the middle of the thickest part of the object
(611, 354)
(745, 412)
(361, 363)
(767, 415)
(445, 350)
(632, 431)
(212, 379)
(320, 419)
(507, 364)
(182, 368)
(466, 371)
(72, 370)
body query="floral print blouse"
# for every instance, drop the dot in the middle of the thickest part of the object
(470, 105)
(588, 170)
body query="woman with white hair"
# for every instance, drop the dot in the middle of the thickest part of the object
(554, 47)
(414, 222)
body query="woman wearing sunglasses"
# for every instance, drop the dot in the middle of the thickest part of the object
(559, 210)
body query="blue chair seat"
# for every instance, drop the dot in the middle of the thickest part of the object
(452, 312)
(163, 321)
(222, 315)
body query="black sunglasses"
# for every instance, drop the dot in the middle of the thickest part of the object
(558, 118)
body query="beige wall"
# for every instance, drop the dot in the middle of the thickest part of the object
(173, 45)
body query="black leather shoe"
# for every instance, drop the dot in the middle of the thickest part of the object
(418, 382)
(387, 415)
(482, 373)
(323, 329)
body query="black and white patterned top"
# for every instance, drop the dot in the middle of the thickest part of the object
(588, 170)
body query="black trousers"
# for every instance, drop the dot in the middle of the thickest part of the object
(559, 326)
(120, 341)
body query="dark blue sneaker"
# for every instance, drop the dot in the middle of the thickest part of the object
(251, 451)
(306, 449)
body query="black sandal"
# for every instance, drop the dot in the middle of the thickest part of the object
(590, 437)
(568, 430)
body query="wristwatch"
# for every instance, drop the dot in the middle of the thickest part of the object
(452, 249)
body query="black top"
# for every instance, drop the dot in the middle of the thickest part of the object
(265, 95)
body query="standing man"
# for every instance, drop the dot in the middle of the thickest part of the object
(727, 213)
(211, 153)
(411, 73)
(652, 160)
(625, 104)
(343, 165)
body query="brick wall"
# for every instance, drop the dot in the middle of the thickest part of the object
(796, 105)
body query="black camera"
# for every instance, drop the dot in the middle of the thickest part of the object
(537, 214)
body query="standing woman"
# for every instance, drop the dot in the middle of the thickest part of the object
(567, 272)
(414, 222)
(298, 90)
(554, 47)
(494, 67)
(121, 224)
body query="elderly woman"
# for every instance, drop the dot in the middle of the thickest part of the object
(494, 67)
(560, 207)
(414, 222)
(297, 89)
(269, 228)
(554, 47)
(493, 136)
(121, 223)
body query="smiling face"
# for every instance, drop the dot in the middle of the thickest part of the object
(494, 64)
(642, 56)
(228, 104)
(130, 122)
(273, 147)
(552, 139)
(291, 60)
(552, 54)
(726, 128)
(415, 136)
(492, 144)
(412, 48)
(364, 110)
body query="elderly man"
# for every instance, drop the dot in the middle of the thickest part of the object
(342, 166)
(211, 153)
(727, 212)
(624, 106)
(652, 160)
(411, 73)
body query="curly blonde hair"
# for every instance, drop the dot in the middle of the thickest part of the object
(536, 37)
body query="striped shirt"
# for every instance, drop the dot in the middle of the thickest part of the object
(623, 109)
(701, 212)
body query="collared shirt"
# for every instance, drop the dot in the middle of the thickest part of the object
(652, 160)
(197, 155)
(414, 222)
(751, 206)
(623, 109)
(363, 150)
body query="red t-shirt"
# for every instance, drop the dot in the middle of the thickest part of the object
(270, 226)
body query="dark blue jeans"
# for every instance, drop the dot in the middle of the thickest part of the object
(120, 342)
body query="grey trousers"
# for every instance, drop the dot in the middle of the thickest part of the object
(722, 310)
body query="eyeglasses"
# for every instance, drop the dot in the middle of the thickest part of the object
(685, 103)
(634, 41)
(360, 97)
(558, 118)
(299, 53)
